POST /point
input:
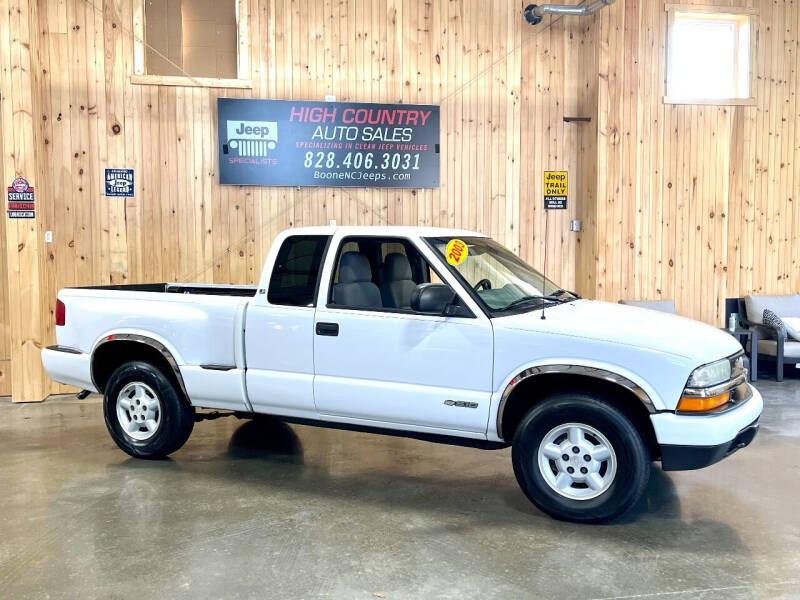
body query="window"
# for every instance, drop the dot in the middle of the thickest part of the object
(378, 273)
(501, 281)
(296, 272)
(191, 42)
(709, 55)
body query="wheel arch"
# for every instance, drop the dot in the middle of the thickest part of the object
(533, 384)
(115, 349)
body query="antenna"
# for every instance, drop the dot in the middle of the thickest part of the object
(544, 269)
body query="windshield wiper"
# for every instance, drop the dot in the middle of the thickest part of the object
(524, 300)
(561, 292)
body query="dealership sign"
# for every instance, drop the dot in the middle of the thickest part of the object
(294, 143)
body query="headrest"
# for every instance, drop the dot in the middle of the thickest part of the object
(354, 268)
(396, 267)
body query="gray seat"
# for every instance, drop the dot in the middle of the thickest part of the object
(791, 350)
(667, 306)
(355, 287)
(396, 282)
(751, 314)
(782, 305)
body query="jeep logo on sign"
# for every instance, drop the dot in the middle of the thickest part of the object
(252, 138)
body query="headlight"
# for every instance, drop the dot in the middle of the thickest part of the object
(711, 374)
(714, 386)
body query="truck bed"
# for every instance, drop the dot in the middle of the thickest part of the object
(201, 324)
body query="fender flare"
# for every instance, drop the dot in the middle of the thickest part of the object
(567, 369)
(141, 339)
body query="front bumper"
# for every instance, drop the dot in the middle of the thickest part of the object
(685, 458)
(696, 441)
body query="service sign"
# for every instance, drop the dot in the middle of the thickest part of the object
(21, 200)
(344, 144)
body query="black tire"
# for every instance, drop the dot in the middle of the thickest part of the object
(175, 419)
(632, 457)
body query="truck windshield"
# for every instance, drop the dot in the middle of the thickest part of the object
(501, 281)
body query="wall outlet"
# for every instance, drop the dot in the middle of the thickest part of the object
(48, 237)
(575, 225)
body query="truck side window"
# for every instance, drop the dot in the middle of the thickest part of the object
(378, 274)
(296, 272)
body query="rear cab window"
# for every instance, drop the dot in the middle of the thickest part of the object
(295, 275)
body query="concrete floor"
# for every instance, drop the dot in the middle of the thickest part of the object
(251, 509)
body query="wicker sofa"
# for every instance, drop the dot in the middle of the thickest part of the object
(770, 344)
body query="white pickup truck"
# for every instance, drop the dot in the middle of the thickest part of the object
(437, 334)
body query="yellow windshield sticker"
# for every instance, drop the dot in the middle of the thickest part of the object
(456, 252)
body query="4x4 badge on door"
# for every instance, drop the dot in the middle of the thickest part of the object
(461, 404)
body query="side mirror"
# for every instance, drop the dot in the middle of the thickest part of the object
(432, 298)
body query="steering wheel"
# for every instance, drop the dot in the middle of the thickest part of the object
(483, 283)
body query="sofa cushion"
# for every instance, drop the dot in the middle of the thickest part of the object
(792, 325)
(770, 319)
(667, 306)
(770, 348)
(783, 306)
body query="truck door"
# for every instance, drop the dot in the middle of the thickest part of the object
(279, 330)
(378, 362)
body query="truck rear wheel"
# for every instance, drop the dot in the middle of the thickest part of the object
(580, 459)
(144, 412)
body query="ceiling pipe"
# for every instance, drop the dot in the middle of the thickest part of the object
(534, 13)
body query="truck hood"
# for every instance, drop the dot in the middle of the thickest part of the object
(629, 326)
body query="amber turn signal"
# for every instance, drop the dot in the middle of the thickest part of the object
(693, 404)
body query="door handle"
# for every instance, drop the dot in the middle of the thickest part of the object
(331, 329)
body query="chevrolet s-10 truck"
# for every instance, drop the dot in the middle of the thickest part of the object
(437, 334)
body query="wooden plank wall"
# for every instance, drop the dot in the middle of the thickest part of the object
(583, 103)
(502, 86)
(696, 203)
(21, 79)
(691, 202)
(5, 317)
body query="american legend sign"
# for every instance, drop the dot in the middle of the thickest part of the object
(119, 183)
(21, 200)
(343, 144)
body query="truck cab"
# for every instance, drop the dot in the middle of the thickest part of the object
(375, 359)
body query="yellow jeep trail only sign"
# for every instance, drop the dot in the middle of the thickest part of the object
(555, 189)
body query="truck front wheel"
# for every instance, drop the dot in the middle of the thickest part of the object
(144, 413)
(580, 459)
